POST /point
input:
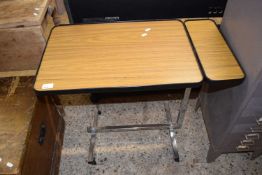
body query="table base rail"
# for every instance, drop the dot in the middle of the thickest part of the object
(123, 128)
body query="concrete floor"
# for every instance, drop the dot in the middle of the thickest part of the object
(142, 152)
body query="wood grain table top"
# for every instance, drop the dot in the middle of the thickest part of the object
(213, 52)
(117, 55)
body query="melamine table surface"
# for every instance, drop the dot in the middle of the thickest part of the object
(216, 58)
(117, 55)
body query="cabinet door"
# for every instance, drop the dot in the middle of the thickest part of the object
(40, 157)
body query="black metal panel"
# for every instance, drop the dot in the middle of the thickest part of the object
(86, 11)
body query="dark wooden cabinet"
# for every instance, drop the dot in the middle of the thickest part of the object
(43, 151)
(31, 130)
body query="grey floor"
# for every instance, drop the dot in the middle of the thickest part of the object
(142, 152)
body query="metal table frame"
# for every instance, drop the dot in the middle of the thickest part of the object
(94, 128)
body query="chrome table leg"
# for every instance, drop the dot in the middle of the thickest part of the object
(183, 108)
(172, 133)
(179, 122)
(91, 157)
